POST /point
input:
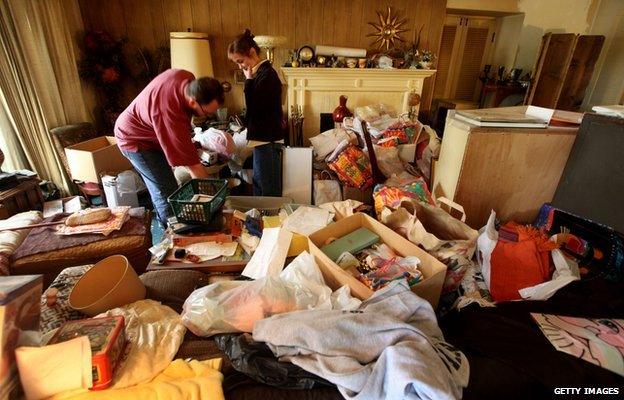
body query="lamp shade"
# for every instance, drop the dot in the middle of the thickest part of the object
(191, 51)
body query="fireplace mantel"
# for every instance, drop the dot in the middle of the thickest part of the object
(317, 90)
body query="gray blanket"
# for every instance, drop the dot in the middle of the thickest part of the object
(389, 348)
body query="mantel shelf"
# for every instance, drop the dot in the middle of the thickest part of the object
(307, 72)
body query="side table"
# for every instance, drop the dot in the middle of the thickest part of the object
(24, 197)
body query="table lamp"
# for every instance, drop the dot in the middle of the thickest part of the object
(270, 43)
(191, 51)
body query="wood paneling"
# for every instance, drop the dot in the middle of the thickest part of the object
(147, 24)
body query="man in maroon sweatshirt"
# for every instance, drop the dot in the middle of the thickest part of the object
(154, 132)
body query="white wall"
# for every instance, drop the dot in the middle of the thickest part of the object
(607, 84)
(506, 42)
(557, 16)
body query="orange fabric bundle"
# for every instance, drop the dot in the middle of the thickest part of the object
(519, 264)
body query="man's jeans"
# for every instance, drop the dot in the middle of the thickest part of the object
(267, 170)
(158, 177)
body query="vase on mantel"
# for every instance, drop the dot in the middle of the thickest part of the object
(341, 111)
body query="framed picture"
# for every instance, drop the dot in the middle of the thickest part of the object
(239, 77)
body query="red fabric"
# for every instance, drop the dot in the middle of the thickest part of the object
(517, 265)
(159, 118)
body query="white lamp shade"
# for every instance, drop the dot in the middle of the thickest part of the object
(191, 51)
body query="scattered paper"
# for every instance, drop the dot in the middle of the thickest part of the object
(211, 250)
(270, 256)
(306, 220)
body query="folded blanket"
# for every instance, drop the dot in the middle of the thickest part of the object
(191, 380)
(11, 240)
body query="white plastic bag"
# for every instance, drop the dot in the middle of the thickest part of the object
(234, 306)
(326, 190)
(566, 270)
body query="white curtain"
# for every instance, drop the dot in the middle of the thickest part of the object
(39, 84)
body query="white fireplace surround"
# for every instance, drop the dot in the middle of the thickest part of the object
(317, 90)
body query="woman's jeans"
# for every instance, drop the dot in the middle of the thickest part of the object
(267, 170)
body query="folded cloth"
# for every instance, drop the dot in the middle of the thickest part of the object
(389, 348)
(48, 370)
(191, 380)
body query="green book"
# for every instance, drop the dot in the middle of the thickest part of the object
(353, 242)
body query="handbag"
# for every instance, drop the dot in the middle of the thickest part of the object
(352, 167)
(326, 190)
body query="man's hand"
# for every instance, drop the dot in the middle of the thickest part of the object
(198, 171)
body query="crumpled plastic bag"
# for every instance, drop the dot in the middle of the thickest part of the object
(215, 140)
(566, 269)
(154, 334)
(234, 306)
(129, 182)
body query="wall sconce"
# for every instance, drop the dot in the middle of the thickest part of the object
(270, 43)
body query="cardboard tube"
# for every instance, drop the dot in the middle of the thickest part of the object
(340, 51)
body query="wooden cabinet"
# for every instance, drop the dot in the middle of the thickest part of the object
(510, 170)
(564, 67)
(24, 197)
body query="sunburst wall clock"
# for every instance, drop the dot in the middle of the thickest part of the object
(388, 29)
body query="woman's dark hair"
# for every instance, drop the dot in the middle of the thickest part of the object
(205, 90)
(243, 44)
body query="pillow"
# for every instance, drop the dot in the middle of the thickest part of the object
(11, 240)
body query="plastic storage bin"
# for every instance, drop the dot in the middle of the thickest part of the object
(198, 212)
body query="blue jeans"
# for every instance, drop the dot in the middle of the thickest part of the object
(267, 170)
(153, 167)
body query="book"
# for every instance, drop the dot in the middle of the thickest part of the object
(352, 243)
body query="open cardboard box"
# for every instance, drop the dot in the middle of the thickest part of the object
(88, 159)
(433, 270)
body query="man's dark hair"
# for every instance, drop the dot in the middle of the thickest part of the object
(205, 90)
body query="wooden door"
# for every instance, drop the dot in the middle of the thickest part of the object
(464, 50)
(477, 37)
(580, 72)
(447, 57)
(550, 69)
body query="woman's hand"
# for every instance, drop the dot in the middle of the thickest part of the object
(248, 72)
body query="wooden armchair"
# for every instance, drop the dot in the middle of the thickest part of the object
(69, 135)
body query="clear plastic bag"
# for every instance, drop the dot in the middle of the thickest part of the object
(234, 306)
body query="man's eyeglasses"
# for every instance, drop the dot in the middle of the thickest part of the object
(203, 111)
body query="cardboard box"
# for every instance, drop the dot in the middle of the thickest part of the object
(433, 270)
(89, 159)
(20, 307)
